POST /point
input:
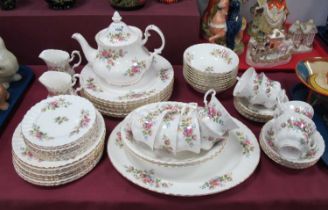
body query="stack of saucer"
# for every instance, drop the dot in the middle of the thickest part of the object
(118, 101)
(59, 140)
(210, 66)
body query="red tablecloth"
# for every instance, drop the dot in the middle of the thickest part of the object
(270, 187)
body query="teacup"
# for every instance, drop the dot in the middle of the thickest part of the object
(300, 107)
(167, 136)
(244, 87)
(266, 91)
(188, 130)
(145, 125)
(293, 138)
(215, 120)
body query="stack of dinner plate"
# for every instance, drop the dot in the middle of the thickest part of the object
(118, 101)
(59, 140)
(210, 66)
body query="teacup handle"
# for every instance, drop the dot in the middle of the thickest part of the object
(74, 54)
(74, 80)
(160, 33)
(210, 91)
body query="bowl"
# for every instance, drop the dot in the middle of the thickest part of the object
(210, 66)
(313, 72)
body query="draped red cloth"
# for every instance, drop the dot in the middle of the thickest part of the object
(270, 187)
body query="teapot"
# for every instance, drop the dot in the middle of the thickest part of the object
(121, 58)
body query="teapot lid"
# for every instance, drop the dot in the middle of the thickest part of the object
(118, 32)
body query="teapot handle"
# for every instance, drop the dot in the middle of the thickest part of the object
(210, 91)
(78, 54)
(160, 33)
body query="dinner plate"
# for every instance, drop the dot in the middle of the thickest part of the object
(231, 167)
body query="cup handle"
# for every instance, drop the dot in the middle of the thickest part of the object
(74, 54)
(210, 91)
(160, 33)
(74, 80)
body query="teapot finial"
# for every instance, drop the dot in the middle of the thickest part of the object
(116, 17)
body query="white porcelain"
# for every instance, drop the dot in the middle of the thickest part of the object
(58, 121)
(21, 151)
(160, 76)
(58, 83)
(266, 91)
(215, 120)
(211, 58)
(188, 130)
(145, 125)
(300, 107)
(244, 87)
(120, 58)
(268, 138)
(236, 162)
(59, 60)
(259, 90)
(294, 135)
(8, 66)
(197, 129)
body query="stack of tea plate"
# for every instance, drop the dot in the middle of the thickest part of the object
(118, 101)
(59, 140)
(210, 66)
(182, 149)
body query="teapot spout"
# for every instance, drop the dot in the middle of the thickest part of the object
(89, 52)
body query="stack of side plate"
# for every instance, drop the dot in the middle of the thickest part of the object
(118, 101)
(210, 66)
(59, 140)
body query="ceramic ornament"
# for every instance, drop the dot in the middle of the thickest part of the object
(8, 65)
(222, 24)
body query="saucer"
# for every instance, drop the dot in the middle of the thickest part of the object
(253, 112)
(267, 138)
(154, 81)
(228, 169)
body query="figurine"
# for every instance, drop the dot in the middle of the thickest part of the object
(302, 35)
(274, 49)
(8, 66)
(4, 96)
(7, 4)
(60, 4)
(222, 24)
(127, 4)
(267, 15)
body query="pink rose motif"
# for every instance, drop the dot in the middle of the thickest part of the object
(212, 112)
(147, 125)
(215, 182)
(38, 135)
(188, 132)
(247, 142)
(135, 69)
